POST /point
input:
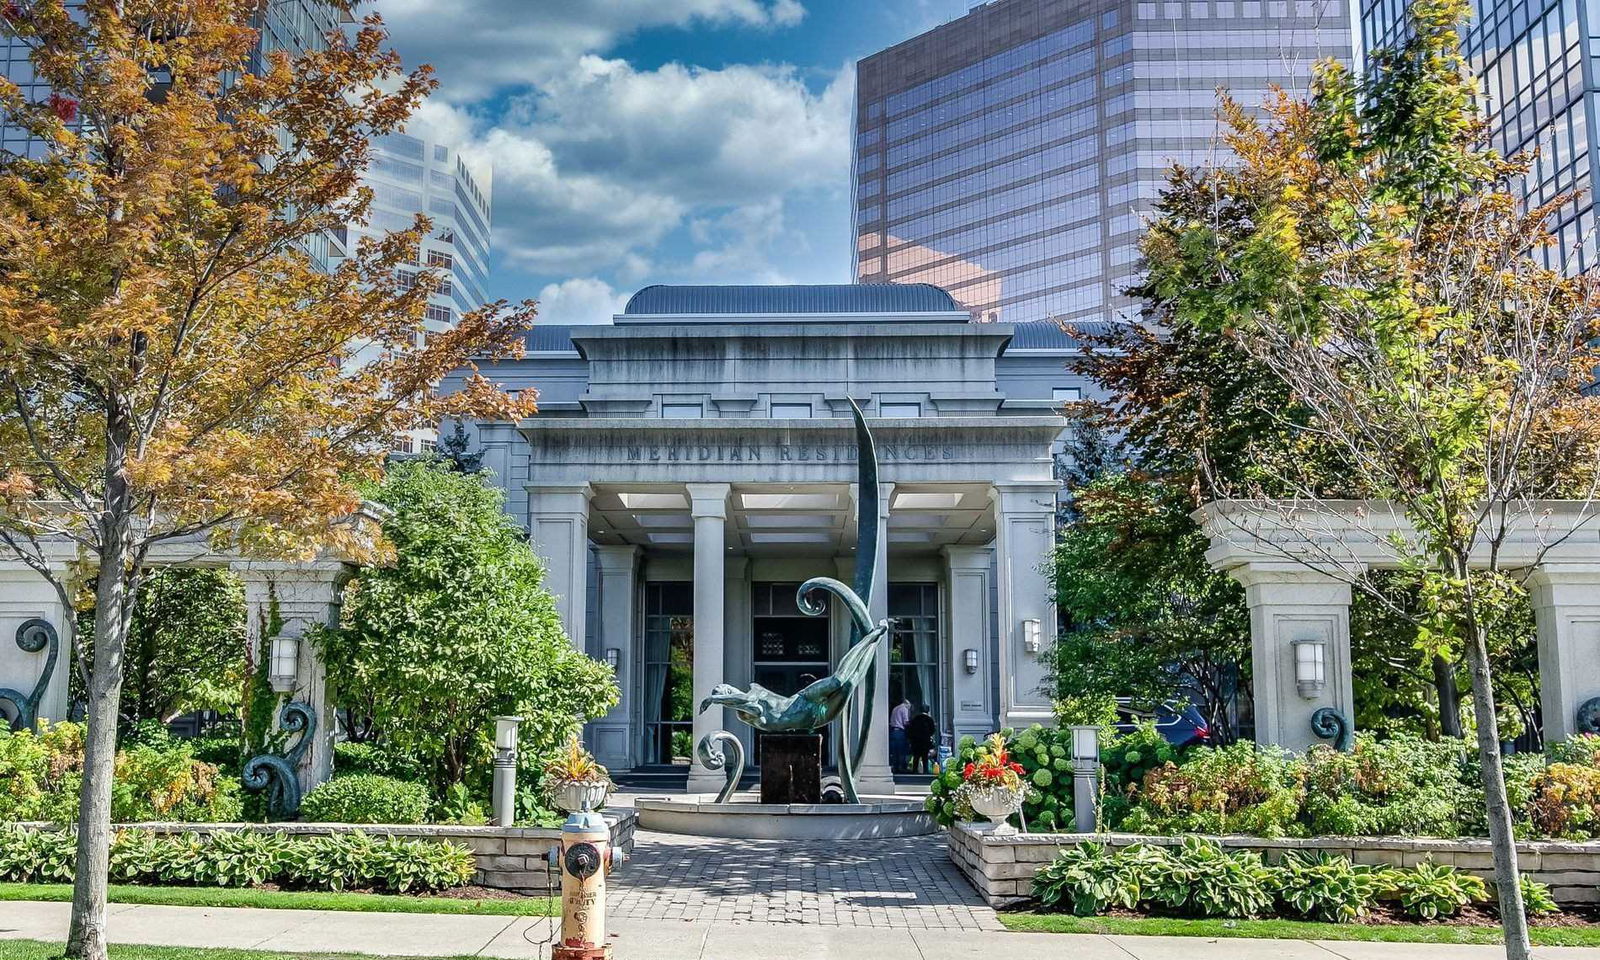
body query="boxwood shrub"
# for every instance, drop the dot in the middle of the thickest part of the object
(366, 798)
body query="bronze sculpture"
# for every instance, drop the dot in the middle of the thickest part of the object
(832, 697)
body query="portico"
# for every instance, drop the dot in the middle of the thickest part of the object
(705, 466)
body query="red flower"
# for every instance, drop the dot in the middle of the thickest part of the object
(967, 773)
(65, 108)
(1017, 767)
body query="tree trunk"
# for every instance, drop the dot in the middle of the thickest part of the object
(87, 938)
(1506, 875)
(1444, 684)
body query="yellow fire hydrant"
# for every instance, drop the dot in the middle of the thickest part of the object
(585, 857)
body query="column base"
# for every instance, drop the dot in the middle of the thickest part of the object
(875, 780)
(1024, 717)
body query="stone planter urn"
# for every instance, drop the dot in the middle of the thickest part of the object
(997, 804)
(580, 796)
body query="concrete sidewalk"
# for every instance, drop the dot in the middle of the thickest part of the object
(394, 934)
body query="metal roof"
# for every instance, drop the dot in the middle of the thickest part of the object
(770, 300)
(1048, 334)
(549, 338)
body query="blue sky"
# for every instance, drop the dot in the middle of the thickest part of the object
(654, 141)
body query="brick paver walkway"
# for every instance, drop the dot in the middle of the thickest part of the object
(905, 883)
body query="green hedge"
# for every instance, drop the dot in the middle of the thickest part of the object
(1200, 879)
(1399, 786)
(244, 859)
(366, 798)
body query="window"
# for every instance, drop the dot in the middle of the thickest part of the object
(791, 411)
(682, 411)
(668, 662)
(427, 445)
(1066, 394)
(904, 411)
(404, 444)
(438, 314)
(914, 665)
(438, 258)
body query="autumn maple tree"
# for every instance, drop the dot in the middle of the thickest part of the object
(176, 366)
(1369, 250)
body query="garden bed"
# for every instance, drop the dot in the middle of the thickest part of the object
(1567, 929)
(469, 900)
(505, 858)
(1002, 868)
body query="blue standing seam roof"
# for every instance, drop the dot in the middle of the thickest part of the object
(766, 300)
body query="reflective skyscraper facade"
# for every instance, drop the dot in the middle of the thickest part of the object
(1530, 58)
(1008, 156)
(411, 175)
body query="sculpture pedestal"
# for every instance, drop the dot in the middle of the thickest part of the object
(791, 768)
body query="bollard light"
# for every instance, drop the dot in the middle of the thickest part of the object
(283, 663)
(970, 657)
(1085, 778)
(1310, 667)
(504, 800)
(1032, 632)
(505, 732)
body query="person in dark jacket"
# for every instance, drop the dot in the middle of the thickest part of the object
(921, 734)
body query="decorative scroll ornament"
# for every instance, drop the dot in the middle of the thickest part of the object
(713, 757)
(1329, 724)
(832, 698)
(278, 773)
(1589, 716)
(34, 636)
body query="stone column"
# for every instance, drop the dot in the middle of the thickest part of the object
(1024, 538)
(611, 736)
(305, 596)
(24, 596)
(876, 776)
(967, 571)
(558, 525)
(709, 506)
(1287, 603)
(1566, 607)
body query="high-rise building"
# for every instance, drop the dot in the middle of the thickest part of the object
(411, 175)
(295, 26)
(1008, 156)
(1530, 61)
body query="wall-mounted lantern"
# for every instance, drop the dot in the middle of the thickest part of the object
(283, 667)
(1310, 667)
(614, 659)
(970, 660)
(1032, 636)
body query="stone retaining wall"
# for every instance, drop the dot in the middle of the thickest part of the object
(508, 858)
(1002, 868)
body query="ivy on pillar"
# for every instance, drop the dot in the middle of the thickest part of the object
(287, 600)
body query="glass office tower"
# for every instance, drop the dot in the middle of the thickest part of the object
(292, 25)
(1010, 155)
(1530, 60)
(411, 175)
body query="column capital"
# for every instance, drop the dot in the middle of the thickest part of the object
(1288, 582)
(559, 498)
(708, 499)
(967, 557)
(1021, 499)
(616, 557)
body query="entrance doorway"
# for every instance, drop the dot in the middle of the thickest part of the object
(668, 675)
(790, 650)
(915, 671)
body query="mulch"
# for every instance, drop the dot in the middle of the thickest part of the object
(1386, 914)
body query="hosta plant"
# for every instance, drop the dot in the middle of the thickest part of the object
(1430, 890)
(1202, 879)
(1321, 886)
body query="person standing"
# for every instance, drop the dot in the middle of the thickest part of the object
(921, 731)
(899, 744)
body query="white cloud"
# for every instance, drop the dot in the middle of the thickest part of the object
(581, 300)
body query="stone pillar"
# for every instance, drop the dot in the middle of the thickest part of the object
(876, 776)
(24, 596)
(1287, 603)
(967, 572)
(611, 736)
(709, 506)
(558, 525)
(305, 596)
(1566, 607)
(1024, 538)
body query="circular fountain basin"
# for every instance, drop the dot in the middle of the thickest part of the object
(700, 815)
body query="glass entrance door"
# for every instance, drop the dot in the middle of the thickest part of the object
(790, 649)
(914, 673)
(667, 701)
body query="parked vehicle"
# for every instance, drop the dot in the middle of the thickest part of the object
(1180, 723)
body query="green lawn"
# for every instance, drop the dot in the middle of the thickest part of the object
(35, 950)
(1288, 930)
(286, 900)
